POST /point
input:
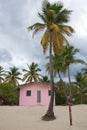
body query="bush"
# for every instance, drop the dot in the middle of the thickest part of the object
(60, 98)
(9, 94)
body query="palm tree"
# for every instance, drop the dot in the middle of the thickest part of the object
(53, 17)
(58, 68)
(45, 79)
(2, 74)
(69, 58)
(32, 73)
(12, 76)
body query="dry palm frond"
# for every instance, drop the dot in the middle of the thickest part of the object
(45, 41)
(54, 27)
(68, 30)
(38, 29)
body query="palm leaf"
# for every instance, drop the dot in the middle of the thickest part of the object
(68, 30)
(45, 41)
(34, 26)
(38, 29)
(63, 16)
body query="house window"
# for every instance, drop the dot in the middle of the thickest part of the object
(49, 92)
(28, 93)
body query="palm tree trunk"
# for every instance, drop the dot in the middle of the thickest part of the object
(50, 114)
(62, 84)
(59, 75)
(69, 100)
(70, 91)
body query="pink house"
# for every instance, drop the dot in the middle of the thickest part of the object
(34, 94)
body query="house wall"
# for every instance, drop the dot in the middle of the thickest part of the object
(32, 100)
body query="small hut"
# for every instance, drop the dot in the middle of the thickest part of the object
(35, 94)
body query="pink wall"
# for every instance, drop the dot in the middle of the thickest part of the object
(32, 100)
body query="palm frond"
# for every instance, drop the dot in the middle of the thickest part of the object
(45, 6)
(80, 61)
(68, 30)
(34, 26)
(42, 17)
(54, 27)
(63, 16)
(38, 29)
(45, 41)
(57, 7)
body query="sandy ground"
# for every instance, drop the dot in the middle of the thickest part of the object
(29, 118)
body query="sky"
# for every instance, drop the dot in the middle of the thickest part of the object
(18, 48)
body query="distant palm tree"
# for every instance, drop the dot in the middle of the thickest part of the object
(58, 66)
(45, 79)
(12, 76)
(32, 73)
(69, 58)
(2, 74)
(53, 17)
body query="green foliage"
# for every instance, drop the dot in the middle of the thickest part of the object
(9, 94)
(45, 79)
(12, 76)
(79, 96)
(2, 74)
(32, 73)
(60, 98)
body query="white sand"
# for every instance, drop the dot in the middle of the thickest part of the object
(29, 118)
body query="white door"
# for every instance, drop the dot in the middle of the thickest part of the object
(38, 96)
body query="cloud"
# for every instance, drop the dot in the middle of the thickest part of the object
(16, 43)
(5, 56)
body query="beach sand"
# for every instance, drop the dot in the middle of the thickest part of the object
(29, 118)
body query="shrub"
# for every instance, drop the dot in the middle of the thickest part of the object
(9, 94)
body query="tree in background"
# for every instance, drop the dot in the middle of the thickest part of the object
(53, 17)
(12, 76)
(32, 73)
(2, 74)
(69, 58)
(9, 94)
(45, 79)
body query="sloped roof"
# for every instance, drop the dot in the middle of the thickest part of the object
(34, 83)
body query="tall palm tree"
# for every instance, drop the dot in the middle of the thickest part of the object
(53, 17)
(69, 58)
(2, 74)
(12, 76)
(32, 73)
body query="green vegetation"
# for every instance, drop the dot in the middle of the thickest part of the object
(12, 76)
(9, 94)
(32, 73)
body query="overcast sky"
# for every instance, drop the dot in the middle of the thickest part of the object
(17, 48)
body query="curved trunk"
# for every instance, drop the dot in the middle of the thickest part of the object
(70, 91)
(50, 114)
(69, 100)
(62, 83)
(59, 75)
